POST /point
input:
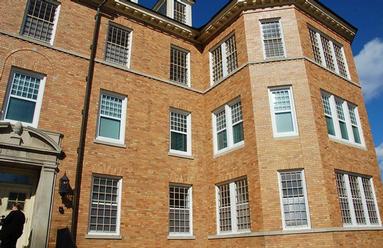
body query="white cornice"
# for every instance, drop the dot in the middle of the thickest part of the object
(227, 15)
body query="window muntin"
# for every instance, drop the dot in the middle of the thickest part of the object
(111, 121)
(223, 59)
(272, 39)
(283, 112)
(180, 210)
(40, 20)
(233, 210)
(328, 114)
(104, 217)
(328, 53)
(228, 126)
(294, 205)
(118, 45)
(24, 97)
(357, 200)
(179, 11)
(342, 119)
(179, 65)
(180, 132)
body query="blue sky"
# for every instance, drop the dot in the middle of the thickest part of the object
(367, 16)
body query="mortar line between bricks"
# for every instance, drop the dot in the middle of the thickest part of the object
(203, 92)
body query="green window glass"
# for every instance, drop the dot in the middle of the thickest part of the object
(179, 131)
(341, 117)
(110, 118)
(283, 110)
(23, 97)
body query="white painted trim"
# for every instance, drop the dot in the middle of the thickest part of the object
(188, 152)
(105, 235)
(308, 226)
(229, 128)
(121, 140)
(295, 132)
(222, 46)
(346, 111)
(375, 201)
(184, 235)
(263, 21)
(38, 101)
(130, 38)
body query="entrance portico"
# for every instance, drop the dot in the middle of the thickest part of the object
(29, 161)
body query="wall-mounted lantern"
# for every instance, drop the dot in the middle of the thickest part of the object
(64, 188)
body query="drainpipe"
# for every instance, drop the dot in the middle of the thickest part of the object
(84, 121)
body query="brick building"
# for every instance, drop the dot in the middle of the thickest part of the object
(250, 131)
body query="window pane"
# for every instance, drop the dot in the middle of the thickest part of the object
(20, 110)
(293, 199)
(178, 141)
(222, 140)
(330, 126)
(39, 20)
(315, 46)
(224, 208)
(357, 200)
(109, 128)
(284, 122)
(343, 199)
(179, 66)
(179, 11)
(343, 130)
(243, 209)
(370, 201)
(179, 209)
(117, 45)
(238, 132)
(355, 130)
(272, 39)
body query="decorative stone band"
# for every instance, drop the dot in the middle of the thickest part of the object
(293, 232)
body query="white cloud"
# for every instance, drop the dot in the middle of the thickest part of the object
(379, 153)
(370, 67)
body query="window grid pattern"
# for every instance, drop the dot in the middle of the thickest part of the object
(339, 109)
(179, 209)
(179, 11)
(243, 209)
(315, 46)
(25, 87)
(343, 199)
(104, 205)
(340, 60)
(224, 208)
(326, 104)
(178, 122)
(111, 106)
(221, 120)
(236, 113)
(117, 45)
(327, 53)
(16, 197)
(217, 64)
(357, 200)
(231, 54)
(39, 20)
(281, 100)
(352, 115)
(370, 201)
(272, 39)
(179, 66)
(293, 199)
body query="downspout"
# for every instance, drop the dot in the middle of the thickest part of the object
(84, 122)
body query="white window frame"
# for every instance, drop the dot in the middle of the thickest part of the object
(233, 207)
(363, 198)
(55, 22)
(222, 45)
(332, 50)
(188, 133)
(121, 140)
(338, 135)
(273, 113)
(190, 196)
(118, 220)
(229, 127)
(306, 201)
(130, 43)
(188, 75)
(36, 115)
(188, 10)
(277, 19)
